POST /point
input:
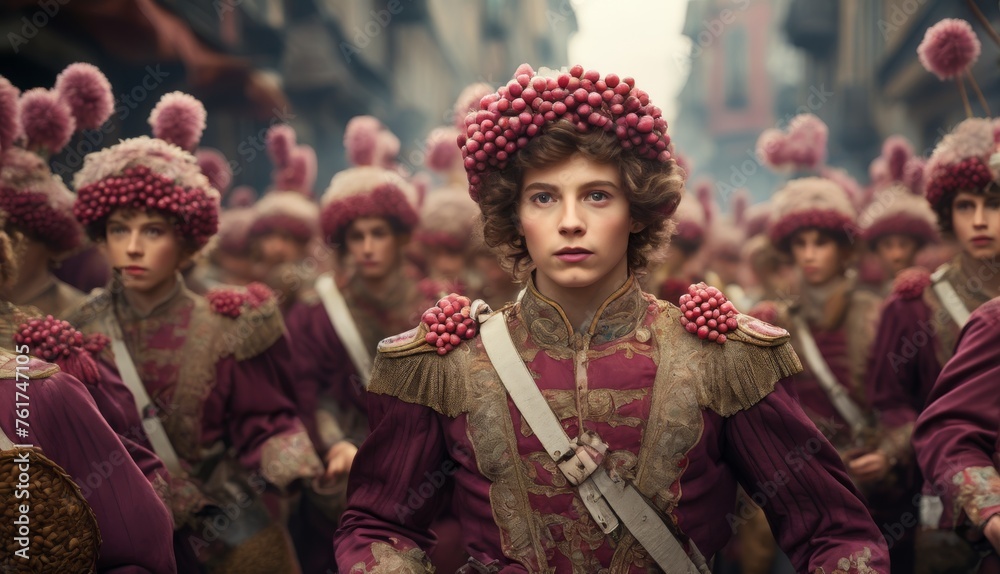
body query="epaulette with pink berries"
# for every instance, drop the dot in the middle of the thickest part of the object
(56, 341)
(232, 302)
(707, 313)
(911, 283)
(442, 328)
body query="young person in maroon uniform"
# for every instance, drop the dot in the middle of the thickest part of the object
(926, 311)
(957, 436)
(64, 423)
(673, 406)
(213, 369)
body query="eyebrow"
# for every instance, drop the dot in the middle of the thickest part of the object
(549, 187)
(114, 220)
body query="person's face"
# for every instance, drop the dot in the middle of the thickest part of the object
(896, 251)
(144, 248)
(817, 256)
(277, 247)
(446, 263)
(976, 221)
(575, 219)
(373, 246)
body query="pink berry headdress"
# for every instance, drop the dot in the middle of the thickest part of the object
(692, 223)
(367, 191)
(810, 203)
(32, 128)
(898, 206)
(509, 118)
(153, 174)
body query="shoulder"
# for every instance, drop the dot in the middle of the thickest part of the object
(987, 315)
(911, 283)
(90, 309)
(741, 358)
(414, 366)
(249, 317)
(16, 366)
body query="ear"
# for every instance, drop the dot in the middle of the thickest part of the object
(636, 226)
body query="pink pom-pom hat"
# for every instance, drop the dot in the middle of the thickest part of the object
(178, 118)
(216, 168)
(38, 202)
(949, 48)
(897, 206)
(447, 219)
(801, 148)
(367, 191)
(148, 174)
(508, 119)
(287, 212)
(810, 203)
(966, 159)
(46, 120)
(88, 92)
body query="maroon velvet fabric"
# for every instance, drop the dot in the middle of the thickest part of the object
(65, 423)
(959, 427)
(86, 270)
(811, 396)
(904, 361)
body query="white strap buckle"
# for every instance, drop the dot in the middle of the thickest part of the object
(580, 466)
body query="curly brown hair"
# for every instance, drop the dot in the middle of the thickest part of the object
(8, 263)
(944, 208)
(653, 189)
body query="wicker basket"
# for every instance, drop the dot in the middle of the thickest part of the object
(63, 528)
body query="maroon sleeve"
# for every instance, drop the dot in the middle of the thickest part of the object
(136, 527)
(903, 363)
(956, 435)
(323, 368)
(261, 422)
(406, 444)
(816, 513)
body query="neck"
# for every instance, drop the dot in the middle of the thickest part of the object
(143, 302)
(580, 304)
(27, 286)
(379, 287)
(987, 270)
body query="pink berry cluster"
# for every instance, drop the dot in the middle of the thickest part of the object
(33, 214)
(49, 338)
(232, 302)
(96, 342)
(508, 119)
(140, 188)
(969, 174)
(707, 313)
(449, 323)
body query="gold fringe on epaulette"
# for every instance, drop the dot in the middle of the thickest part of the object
(426, 378)
(254, 332)
(739, 375)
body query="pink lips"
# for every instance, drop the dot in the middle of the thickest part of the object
(573, 254)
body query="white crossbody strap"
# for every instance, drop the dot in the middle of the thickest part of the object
(598, 490)
(150, 421)
(841, 401)
(949, 297)
(347, 330)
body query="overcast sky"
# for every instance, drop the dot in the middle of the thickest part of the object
(638, 38)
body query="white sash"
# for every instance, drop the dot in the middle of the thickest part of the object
(607, 499)
(841, 401)
(150, 421)
(949, 297)
(343, 323)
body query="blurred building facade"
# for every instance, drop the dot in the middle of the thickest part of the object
(851, 62)
(743, 79)
(311, 63)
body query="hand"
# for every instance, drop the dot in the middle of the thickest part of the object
(338, 461)
(870, 467)
(992, 531)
